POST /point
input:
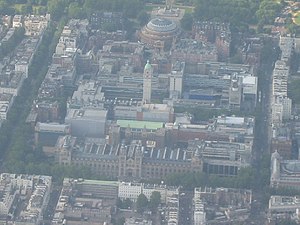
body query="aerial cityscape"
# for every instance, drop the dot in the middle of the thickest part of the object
(149, 112)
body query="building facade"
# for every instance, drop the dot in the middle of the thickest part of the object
(147, 79)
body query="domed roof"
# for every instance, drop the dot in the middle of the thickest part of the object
(161, 25)
(148, 66)
(292, 167)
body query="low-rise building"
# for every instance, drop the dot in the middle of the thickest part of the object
(87, 202)
(24, 198)
(227, 204)
(133, 190)
(193, 51)
(283, 207)
(35, 25)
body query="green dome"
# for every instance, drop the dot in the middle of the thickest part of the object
(148, 66)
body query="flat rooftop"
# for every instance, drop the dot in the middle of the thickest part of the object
(99, 182)
(140, 124)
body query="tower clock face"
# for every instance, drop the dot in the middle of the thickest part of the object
(147, 74)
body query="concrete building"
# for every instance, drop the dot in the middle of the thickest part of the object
(176, 80)
(88, 94)
(87, 122)
(145, 112)
(222, 158)
(284, 173)
(287, 46)
(235, 93)
(280, 78)
(249, 93)
(281, 109)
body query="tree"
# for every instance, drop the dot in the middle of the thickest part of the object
(141, 203)
(286, 222)
(187, 22)
(155, 200)
(75, 11)
(143, 17)
(56, 8)
(126, 204)
(267, 11)
(120, 221)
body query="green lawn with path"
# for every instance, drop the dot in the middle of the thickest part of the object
(297, 18)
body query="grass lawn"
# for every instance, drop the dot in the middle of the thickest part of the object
(188, 9)
(149, 8)
(18, 7)
(297, 18)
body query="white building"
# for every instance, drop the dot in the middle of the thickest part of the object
(281, 109)
(17, 21)
(199, 212)
(175, 85)
(280, 78)
(133, 190)
(129, 190)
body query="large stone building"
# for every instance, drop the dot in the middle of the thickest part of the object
(284, 173)
(159, 33)
(136, 159)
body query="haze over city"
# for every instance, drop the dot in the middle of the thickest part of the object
(149, 112)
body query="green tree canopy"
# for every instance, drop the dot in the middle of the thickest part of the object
(187, 22)
(143, 17)
(141, 203)
(155, 200)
